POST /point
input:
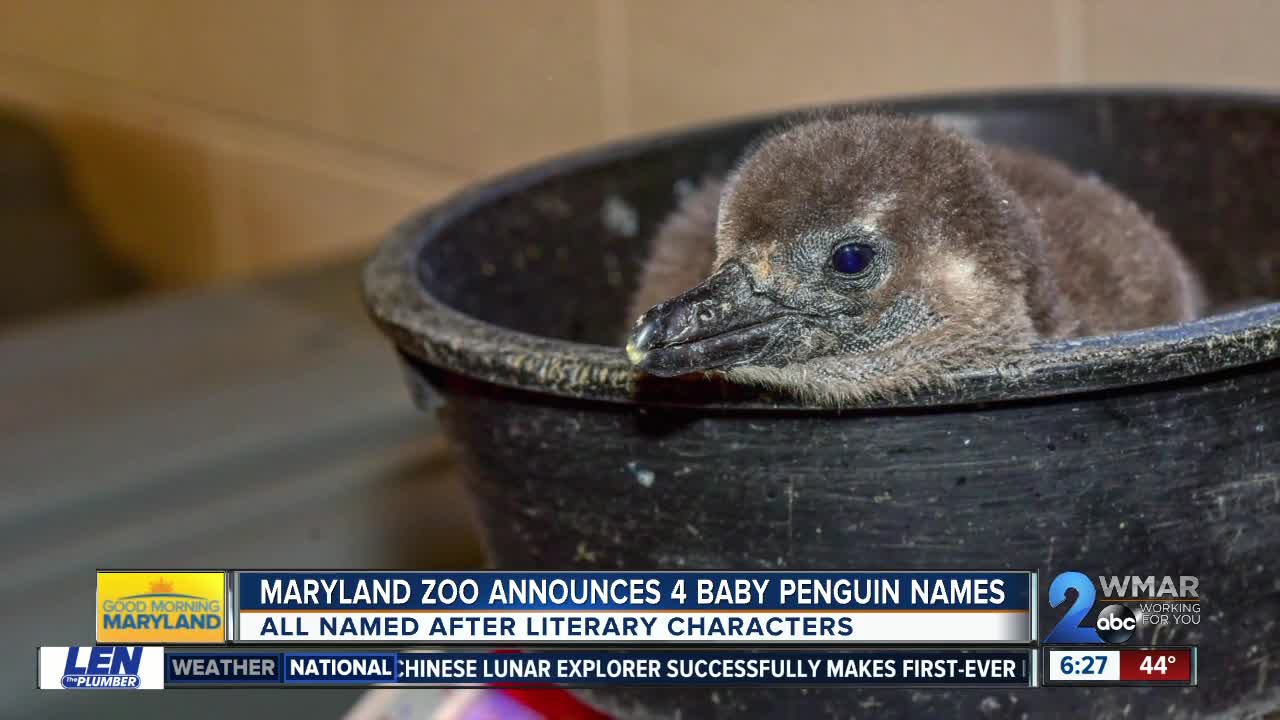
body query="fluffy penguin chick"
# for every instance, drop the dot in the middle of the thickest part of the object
(871, 254)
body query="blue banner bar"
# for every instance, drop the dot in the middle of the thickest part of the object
(340, 668)
(687, 591)
(725, 668)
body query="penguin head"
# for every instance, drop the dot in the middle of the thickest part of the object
(860, 237)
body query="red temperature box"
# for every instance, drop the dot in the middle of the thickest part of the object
(1155, 665)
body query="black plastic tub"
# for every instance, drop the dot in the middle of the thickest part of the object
(1150, 453)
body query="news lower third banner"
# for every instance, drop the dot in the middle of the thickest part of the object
(633, 608)
(564, 608)
(139, 667)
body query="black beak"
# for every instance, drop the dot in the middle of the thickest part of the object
(719, 324)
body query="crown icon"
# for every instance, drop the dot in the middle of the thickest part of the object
(161, 585)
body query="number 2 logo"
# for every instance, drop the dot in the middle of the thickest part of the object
(1069, 629)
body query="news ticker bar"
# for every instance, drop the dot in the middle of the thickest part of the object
(1100, 665)
(151, 667)
(560, 608)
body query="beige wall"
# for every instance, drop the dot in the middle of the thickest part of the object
(221, 138)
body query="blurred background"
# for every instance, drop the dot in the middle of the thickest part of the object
(187, 189)
(211, 140)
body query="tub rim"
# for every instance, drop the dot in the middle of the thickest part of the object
(426, 328)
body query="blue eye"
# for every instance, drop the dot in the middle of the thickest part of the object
(852, 259)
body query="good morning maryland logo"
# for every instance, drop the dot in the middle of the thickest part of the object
(154, 607)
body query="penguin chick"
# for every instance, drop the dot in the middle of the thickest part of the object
(872, 254)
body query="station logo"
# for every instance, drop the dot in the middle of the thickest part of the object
(1132, 602)
(161, 607)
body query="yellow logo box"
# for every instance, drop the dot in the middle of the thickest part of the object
(137, 607)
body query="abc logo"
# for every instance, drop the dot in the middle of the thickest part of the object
(1116, 623)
